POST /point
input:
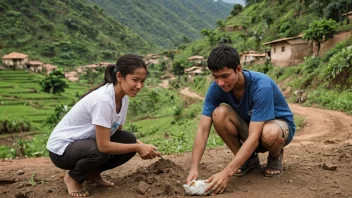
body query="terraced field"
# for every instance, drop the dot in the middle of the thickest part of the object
(21, 96)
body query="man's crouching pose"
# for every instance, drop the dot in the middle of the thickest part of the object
(248, 112)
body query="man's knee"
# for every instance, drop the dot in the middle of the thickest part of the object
(271, 134)
(219, 114)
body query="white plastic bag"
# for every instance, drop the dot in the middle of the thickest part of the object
(196, 187)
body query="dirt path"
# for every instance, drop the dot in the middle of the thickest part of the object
(325, 142)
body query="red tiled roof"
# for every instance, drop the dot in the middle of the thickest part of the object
(13, 55)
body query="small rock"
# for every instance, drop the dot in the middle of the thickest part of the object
(142, 188)
(20, 172)
(313, 188)
(289, 181)
(329, 167)
(20, 195)
(329, 142)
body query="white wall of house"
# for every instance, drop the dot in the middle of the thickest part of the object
(280, 51)
(19, 63)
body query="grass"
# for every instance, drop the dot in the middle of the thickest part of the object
(21, 96)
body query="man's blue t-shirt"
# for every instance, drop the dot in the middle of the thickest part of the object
(262, 100)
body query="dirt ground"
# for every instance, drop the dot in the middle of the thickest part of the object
(317, 163)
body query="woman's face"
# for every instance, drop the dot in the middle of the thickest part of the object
(134, 82)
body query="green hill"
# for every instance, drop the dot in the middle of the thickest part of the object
(64, 32)
(167, 23)
(266, 20)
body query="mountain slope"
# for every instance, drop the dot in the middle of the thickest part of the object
(64, 32)
(166, 23)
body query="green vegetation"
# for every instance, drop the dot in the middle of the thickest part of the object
(66, 33)
(54, 83)
(163, 23)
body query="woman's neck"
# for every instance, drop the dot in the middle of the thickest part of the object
(119, 94)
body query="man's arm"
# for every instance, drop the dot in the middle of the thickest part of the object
(199, 145)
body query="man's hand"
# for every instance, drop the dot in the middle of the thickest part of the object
(218, 182)
(193, 174)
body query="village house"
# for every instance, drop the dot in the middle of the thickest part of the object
(252, 57)
(196, 60)
(49, 68)
(289, 51)
(152, 58)
(348, 15)
(15, 60)
(194, 71)
(35, 66)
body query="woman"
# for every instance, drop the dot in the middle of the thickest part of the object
(90, 139)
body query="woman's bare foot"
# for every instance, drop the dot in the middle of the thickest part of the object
(75, 189)
(99, 180)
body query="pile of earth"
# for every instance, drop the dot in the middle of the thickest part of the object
(162, 178)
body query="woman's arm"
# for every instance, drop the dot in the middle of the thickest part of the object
(106, 146)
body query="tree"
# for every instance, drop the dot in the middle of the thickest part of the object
(237, 8)
(54, 82)
(221, 24)
(320, 31)
(179, 69)
(211, 36)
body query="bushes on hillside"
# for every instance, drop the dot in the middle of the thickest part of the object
(14, 126)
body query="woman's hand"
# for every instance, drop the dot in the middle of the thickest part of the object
(147, 151)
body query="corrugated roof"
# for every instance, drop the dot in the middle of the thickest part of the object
(283, 39)
(13, 55)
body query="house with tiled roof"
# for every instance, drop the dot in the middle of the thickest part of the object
(289, 51)
(15, 60)
(197, 60)
(35, 66)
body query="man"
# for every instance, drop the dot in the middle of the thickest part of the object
(255, 118)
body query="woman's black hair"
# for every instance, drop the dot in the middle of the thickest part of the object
(126, 64)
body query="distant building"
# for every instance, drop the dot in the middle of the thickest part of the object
(35, 66)
(348, 15)
(194, 71)
(252, 57)
(197, 60)
(289, 51)
(49, 68)
(15, 60)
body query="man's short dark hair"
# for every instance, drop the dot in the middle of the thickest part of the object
(223, 56)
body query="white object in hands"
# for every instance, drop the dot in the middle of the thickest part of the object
(196, 187)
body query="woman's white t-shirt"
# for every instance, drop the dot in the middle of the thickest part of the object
(97, 108)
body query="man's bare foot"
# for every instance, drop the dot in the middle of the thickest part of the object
(99, 180)
(75, 189)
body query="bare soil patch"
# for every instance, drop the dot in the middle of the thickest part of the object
(318, 163)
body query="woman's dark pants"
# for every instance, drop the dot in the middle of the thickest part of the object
(82, 157)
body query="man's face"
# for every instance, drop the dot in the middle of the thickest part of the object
(226, 78)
